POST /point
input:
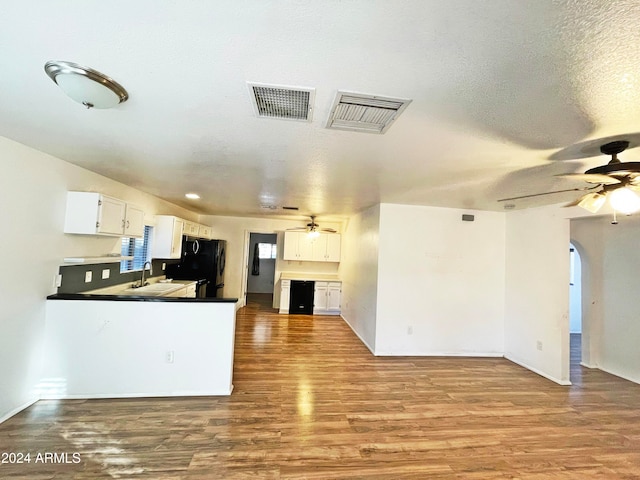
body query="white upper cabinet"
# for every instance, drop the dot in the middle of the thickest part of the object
(134, 221)
(91, 213)
(297, 246)
(301, 246)
(205, 232)
(326, 247)
(167, 237)
(191, 229)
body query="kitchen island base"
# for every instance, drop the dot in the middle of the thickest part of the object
(101, 348)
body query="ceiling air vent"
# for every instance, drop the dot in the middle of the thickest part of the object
(365, 113)
(277, 101)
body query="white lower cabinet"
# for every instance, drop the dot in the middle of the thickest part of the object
(326, 297)
(285, 295)
(326, 300)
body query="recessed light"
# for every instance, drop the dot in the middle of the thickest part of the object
(192, 196)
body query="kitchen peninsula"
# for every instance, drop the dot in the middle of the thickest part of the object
(101, 346)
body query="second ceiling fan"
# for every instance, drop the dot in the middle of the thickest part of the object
(313, 228)
(616, 181)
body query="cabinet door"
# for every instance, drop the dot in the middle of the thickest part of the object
(334, 292)
(320, 297)
(205, 232)
(333, 247)
(290, 250)
(134, 222)
(176, 238)
(305, 246)
(111, 213)
(285, 295)
(319, 249)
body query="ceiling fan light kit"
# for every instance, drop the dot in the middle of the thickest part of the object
(624, 200)
(313, 229)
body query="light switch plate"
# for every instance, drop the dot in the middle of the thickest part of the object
(88, 276)
(105, 273)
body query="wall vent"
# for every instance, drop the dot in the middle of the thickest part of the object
(278, 101)
(365, 113)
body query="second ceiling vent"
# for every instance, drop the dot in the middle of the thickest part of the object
(278, 101)
(365, 113)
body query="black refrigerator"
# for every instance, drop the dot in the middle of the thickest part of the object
(201, 260)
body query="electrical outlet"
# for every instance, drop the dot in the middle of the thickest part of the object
(88, 276)
(170, 356)
(539, 345)
(57, 281)
(105, 273)
(410, 330)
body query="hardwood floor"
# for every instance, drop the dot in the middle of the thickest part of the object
(311, 402)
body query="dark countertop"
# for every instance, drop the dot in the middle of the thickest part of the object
(137, 298)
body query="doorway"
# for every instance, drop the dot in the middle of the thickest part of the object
(261, 268)
(575, 312)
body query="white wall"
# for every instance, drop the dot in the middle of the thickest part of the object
(359, 274)
(33, 189)
(235, 231)
(537, 291)
(611, 262)
(440, 282)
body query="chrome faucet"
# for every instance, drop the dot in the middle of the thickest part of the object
(142, 282)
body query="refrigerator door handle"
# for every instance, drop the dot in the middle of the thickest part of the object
(196, 246)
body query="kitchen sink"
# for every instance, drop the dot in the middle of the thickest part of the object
(153, 289)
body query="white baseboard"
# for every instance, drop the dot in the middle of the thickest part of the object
(441, 354)
(17, 410)
(610, 372)
(92, 396)
(587, 365)
(535, 370)
(358, 335)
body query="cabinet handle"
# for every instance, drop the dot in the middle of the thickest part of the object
(127, 224)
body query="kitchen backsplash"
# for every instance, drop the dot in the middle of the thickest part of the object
(73, 276)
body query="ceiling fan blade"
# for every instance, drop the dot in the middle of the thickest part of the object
(329, 230)
(297, 228)
(591, 178)
(548, 193)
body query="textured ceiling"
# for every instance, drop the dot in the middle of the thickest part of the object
(505, 94)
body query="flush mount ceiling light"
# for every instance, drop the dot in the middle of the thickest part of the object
(86, 85)
(192, 196)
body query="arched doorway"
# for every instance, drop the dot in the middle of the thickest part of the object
(575, 310)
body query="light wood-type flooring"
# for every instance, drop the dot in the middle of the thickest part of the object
(311, 402)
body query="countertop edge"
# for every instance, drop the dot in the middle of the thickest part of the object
(137, 298)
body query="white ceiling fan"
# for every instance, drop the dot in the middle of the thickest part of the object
(313, 228)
